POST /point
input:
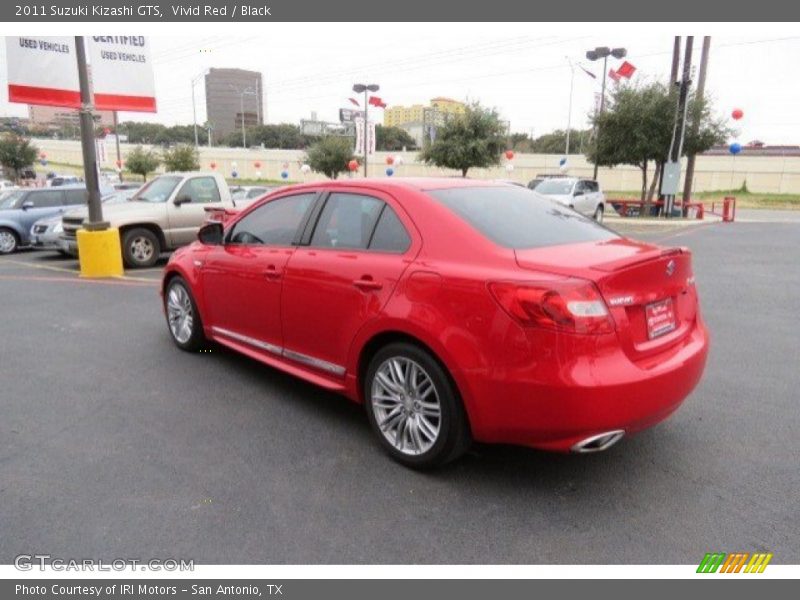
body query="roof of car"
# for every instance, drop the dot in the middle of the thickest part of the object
(416, 183)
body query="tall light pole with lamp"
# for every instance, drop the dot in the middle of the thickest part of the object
(195, 79)
(358, 88)
(242, 93)
(603, 52)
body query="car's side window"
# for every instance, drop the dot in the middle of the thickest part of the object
(76, 197)
(579, 187)
(274, 223)
(390, 235)
(347, 221)
(201, 190)
(46, 199)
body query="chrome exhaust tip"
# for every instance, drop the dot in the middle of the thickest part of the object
(599, 442)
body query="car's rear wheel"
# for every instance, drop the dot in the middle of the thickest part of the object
(414, 407)
(183, 319)
(140, 248)
(8, 241)
(598, 213)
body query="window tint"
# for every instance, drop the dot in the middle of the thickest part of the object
(201, 190)
(390, 235)
(346, 221)
(46, 199)
(274, 223)
(592, 186)
(518, 218)
(555, 186)
(76, 197)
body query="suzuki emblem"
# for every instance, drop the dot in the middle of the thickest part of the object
(670, 267)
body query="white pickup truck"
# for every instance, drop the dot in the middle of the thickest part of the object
(164, 214)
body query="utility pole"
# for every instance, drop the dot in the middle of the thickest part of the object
(244, 135)
(676, 146)
(676, 58)
(569, 109)
(90, 170)
(701, 88)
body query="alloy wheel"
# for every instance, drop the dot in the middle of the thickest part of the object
(141, 249)
(179, 313)
(8, 242)
(406, 405)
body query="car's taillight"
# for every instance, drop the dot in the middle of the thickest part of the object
(572, 305)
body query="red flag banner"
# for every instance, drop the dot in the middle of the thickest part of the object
(376, 101)
(626, 69)
(614, 75)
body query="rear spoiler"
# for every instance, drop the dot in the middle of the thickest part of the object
(624, 263)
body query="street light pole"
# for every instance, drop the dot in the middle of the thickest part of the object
(90, 170)
(358, 88)
(569, 110)
(241, 114)
(603, 52)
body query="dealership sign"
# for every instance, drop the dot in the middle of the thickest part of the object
(44, 70)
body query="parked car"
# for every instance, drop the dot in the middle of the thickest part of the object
(453, 309)
(46, 233)
(128, 185)
(60, 180)
(6, 185)
(583, 195)
(20, 209)
(162, 215)
(245, 195)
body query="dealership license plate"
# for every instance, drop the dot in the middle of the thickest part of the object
(660, 318)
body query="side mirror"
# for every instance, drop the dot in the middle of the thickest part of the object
(211, 234)
(27, 204)
(182, 200)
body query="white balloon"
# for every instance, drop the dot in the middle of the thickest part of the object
(233, 164)
(305, 168)
(398, 160)
(563, 167)
(509, 167)
(258, 174)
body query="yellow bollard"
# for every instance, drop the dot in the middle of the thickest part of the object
(100, 253)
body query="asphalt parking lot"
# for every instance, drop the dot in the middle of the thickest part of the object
(113, 443)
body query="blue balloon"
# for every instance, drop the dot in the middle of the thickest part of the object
(562, 162)
(735, 148)
(390, 171)
(284, 174)
(43, 162)
(234, 174)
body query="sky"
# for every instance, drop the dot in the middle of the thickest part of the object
(521, 69)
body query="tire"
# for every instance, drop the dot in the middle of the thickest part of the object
(140, 248)
(406, 424)
(598, 213)
(9, 241)
(178, 305)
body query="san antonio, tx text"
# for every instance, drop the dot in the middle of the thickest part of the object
(129, 589)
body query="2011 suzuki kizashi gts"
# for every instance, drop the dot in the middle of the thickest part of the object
(454, 310)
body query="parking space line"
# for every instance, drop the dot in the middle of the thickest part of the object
(45, 278)
(23, 263)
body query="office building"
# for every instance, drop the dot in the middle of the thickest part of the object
(233, 96)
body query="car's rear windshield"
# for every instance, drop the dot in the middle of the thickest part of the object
(519, 218)
(555, 186)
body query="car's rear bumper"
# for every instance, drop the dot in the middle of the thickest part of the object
(558, 407)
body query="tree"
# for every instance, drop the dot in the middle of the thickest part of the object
(16, 153)
(393, 139)
(142, 162)
(330, 155)
(636, 129)
(555, 142)
(182, 157)
(475, 138)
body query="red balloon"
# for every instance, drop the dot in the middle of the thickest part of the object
(43, 155)
(119, 163)
(390, 160)
(106, 131)
(257, 165)
(353, 165)
(213, 165)
(737, 113)
(509, 154)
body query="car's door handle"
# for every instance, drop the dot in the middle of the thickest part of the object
(272, 272)
(367, 283)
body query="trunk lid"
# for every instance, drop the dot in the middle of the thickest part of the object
(649, 290)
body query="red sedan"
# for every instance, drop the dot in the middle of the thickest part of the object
(453, 309)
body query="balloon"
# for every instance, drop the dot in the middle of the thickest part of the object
(284, 174)
(562, 162)
(213, 166)
(106, 131)
(398, 160)
(737, 114)
(510, 154)
(234, 173)
(43, 162)
(258, 174)
(353, 165)
(563, 167)
(509, 167)
(234, 165)
(389, 171)
(257, 165)
(305, 168)
(43, 155)
(119, 163)
(285, 165)
(735, 148)
(389, 160)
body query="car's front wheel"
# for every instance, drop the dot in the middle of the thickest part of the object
(8, 241)
(140, 248)
(414, 407)
(183, 319)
